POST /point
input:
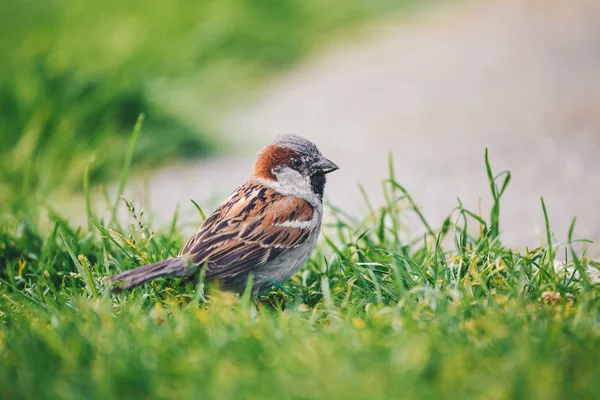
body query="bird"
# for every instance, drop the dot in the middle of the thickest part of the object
(267, 228)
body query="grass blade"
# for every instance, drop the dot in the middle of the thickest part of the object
(126, 166)
(83, 269)
(550, 249)
(199, 209)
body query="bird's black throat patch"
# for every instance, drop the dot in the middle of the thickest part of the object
(317, 182)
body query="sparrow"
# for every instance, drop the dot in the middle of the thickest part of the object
(267, 228)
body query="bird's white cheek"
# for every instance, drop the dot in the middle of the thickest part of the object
(293, 180)
(292, 183)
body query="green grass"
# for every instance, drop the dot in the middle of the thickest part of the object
(75, 75)
(376, 313)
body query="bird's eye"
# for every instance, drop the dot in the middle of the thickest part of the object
(297, 162)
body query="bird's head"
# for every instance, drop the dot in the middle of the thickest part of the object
(295, 164)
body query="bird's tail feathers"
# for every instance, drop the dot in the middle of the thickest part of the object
(178, 267)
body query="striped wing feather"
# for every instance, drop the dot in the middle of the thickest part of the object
(255, 225)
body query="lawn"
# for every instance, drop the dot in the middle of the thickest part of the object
(378, 312)
(374, 314)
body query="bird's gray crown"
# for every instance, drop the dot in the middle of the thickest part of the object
(296, 143)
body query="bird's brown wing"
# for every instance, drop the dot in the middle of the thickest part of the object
(252, 227)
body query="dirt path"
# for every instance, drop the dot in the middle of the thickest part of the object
(519, 77)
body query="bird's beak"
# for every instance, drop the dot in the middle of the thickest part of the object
(324, 166)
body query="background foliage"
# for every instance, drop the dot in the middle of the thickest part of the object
(75, 76)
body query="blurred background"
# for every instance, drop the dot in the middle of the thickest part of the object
(432, 83)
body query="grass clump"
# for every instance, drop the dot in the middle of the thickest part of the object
(374, 314)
